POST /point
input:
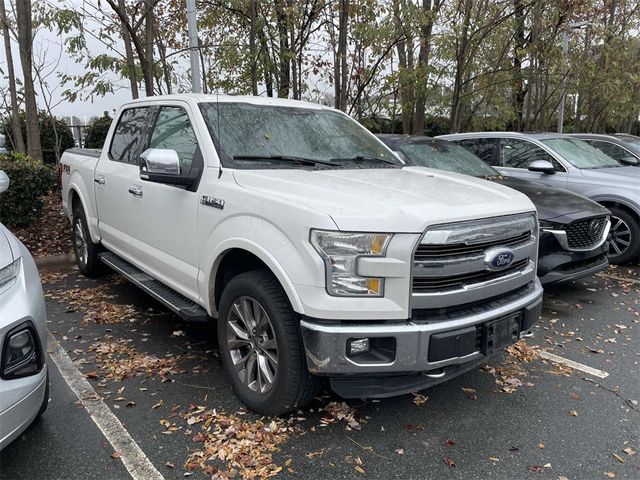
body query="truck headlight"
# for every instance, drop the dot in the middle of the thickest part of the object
(8, 275)
(340, 252)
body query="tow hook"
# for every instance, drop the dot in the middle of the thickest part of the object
(526, 334)
(439, 373)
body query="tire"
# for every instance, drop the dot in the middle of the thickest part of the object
(624, 237)
(291, 385)
(85, 250)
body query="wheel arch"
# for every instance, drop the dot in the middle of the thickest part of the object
(78, 195)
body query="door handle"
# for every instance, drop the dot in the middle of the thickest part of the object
(135, 191)
(99, 180)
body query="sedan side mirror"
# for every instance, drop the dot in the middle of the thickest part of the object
(542, 166)
(4, 181)
(162, 165)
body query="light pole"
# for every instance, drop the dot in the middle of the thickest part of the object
(196, 86)
(565, 54)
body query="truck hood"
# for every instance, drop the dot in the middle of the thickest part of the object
(387, 200)
(628, 176)
(6, 254)
(555, 204)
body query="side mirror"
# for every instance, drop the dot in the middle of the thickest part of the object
(630, 161)
(4, 181)
(542, 166)
(162, 161)
(162, 165)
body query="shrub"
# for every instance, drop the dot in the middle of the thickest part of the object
(96, 133)
(47, 135)
(30, 180)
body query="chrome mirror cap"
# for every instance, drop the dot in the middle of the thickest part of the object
(4, 181)
(163, 161)
(542, 166)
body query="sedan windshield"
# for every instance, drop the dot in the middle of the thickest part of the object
(446, 156)
(267, 136)
(580, 154)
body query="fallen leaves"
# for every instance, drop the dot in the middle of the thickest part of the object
(118, 360)
(116, 455)
(573, 413)
(340, 411)
(523, 352)
(448, 461)
(419, 399)
(233, 446)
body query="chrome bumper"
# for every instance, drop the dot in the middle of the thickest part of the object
(326, 343)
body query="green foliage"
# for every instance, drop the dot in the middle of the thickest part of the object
(47, 135)
(30, 180)
(96, 133)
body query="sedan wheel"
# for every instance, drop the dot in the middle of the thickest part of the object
(252, 344)
(624, 237)
(620, 237)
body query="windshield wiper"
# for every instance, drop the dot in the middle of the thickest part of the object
(363, 158)
(285, 158)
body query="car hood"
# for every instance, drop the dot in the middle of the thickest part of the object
(386, 200)
(628, 176)
(6, 253)
(555, 204)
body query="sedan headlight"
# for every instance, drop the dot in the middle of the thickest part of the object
(340, 252)
(8, 275)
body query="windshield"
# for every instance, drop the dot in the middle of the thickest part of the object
(267, 136)
(580, 154)
(447, 156)
(631, 140)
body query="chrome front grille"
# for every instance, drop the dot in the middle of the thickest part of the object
(587, 233)
(452, 262)
(435, 284)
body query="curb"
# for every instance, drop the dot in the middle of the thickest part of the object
(55, 261)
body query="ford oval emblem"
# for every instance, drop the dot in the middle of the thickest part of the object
(498, 258)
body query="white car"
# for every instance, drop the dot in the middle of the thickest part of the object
(319, 252)
(24, 385)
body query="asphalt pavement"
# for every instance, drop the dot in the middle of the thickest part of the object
(518, 417)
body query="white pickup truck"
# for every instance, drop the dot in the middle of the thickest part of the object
(318, 251)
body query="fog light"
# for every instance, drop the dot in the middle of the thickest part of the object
(358, 346)
(21, 356)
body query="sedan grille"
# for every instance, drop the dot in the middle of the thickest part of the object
(587, 233)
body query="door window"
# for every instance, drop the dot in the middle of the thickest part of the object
(610, 149)
(128, 135)
(481, 147)
(515, 153)
(173, 131)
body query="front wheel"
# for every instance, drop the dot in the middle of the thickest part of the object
(624, 237)
(261, 346)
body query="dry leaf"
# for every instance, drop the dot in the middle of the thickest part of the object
(116, 455)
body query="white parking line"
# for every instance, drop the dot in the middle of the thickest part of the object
(575, 365)
(132, 456)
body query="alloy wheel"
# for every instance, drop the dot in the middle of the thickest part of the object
(80, 241)
(252, 345)
(619, 237)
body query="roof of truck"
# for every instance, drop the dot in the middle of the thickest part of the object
(215, 98)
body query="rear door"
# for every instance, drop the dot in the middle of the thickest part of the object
(514, 156)
(112, 177)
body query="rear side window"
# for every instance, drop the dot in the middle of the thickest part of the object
(480, 147)
(173, 130)
(129, 135)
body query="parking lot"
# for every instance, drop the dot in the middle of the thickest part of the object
(160, 390)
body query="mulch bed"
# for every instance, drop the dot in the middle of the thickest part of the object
(50, 234)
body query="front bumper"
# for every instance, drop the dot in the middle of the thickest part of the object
(556, 265)
(326, 343)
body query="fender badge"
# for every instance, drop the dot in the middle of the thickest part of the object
(212, 202)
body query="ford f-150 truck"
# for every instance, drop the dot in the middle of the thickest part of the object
(318, 252)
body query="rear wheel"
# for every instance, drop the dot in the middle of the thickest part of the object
(261, 346)
(85, 250)
(624, 237)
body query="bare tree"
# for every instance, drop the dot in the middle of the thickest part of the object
(25, 42)
(16, 130)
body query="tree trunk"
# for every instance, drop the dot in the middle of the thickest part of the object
(342, 54)
(518, 90)
(252, 46)
(148, 53)
(131, 62)
(284, 73)
(429, 9)
(25, 41)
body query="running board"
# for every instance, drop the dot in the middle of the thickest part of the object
(177, 303)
